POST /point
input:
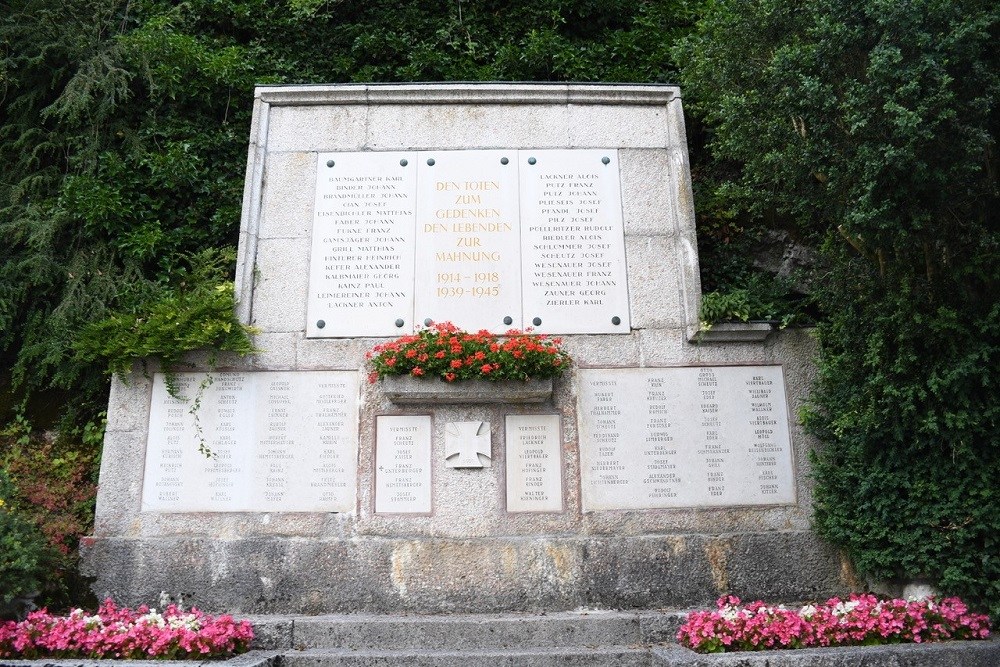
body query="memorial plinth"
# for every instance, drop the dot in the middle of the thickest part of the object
(658, 471)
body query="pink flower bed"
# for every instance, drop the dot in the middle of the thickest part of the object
(860, 620)
(125, 633)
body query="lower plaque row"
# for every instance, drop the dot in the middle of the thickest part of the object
(650, 438)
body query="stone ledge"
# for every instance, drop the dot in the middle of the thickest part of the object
(469, 93)
(408, 390)
(954, 654)
(249, 659)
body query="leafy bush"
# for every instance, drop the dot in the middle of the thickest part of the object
(762, 298)
(871, 127)
(51, 484)
(23, 552)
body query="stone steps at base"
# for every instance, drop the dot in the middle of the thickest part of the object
(605, 656)
(458, 632)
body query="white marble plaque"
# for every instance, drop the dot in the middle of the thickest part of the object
(403, 464)
(468, 445)
(279, 442)
(468, 239)
(684, 437)
(534, 471)
(361, 267)
(573, 242)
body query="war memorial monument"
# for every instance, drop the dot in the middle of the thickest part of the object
(664, 468)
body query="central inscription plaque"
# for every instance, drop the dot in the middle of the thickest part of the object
(468, 239)
(684, 437)
(502, 239)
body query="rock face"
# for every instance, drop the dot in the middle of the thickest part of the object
(286, 518)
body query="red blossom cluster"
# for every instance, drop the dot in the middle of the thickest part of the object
(123, 633)
(445, 351)
(859, 620)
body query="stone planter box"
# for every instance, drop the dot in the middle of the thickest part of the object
(735, 332)
(407, 390)
(953, 654)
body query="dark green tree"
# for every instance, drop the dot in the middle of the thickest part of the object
(123, 129)
(871, 127)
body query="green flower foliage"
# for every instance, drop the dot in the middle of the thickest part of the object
(871, 127)
(445, 352)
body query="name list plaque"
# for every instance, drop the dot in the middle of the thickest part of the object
(655, 438)
(572, 255)
(279, 442)
(361, 269)
(534, 469)
(403, 464)
(503, 239)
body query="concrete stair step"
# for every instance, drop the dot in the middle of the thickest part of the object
(459, 632)
(606, 656)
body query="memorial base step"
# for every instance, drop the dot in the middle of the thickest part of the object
(588, 631)
(612, 656)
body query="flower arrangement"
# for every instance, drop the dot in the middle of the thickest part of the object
(443, 350)
(860, 620)
(115, 632)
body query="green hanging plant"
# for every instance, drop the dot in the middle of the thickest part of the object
(194, 310)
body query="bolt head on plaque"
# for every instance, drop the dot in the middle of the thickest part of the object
(532, 160)
(605, 160)
(508, 320)
(428, 321)
(399, 322)
(403, 162)
(504, 160)
(616, 320)
(320, 324)
(330, 163)
(537, 321)
(467, 445)
(430, 162)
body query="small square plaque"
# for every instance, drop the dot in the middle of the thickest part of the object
(534, 468)
(403, 464)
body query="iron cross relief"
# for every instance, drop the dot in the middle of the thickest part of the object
(467, 445)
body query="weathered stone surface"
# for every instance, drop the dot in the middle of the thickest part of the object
(453, 575)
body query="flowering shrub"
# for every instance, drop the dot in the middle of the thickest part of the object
(442, 350)
(861, 620)
(124, 633)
